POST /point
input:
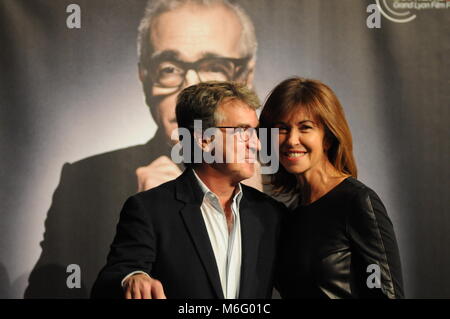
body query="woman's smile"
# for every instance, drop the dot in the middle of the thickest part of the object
(293, 155)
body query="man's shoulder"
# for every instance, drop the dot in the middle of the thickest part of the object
(161, 193)
(161, 202)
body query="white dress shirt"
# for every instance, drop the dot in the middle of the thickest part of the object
(226, 245)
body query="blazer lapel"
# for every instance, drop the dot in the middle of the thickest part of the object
(251, 232)
(189, 191)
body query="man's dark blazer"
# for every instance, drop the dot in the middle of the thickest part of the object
(162, 232)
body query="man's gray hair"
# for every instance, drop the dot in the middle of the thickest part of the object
(157, 7)
(202, 101)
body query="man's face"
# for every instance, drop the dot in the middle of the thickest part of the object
(238, 152)
(189, 34)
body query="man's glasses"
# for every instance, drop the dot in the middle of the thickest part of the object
(244, 133)
(171, 73)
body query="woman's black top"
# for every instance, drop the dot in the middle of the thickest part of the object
(341, 246)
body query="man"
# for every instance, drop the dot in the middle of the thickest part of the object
(171, 58)
(202, 235)
(179, 41)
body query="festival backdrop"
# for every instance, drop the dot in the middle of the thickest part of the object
(75, 125)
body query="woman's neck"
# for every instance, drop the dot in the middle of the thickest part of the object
(318, 181)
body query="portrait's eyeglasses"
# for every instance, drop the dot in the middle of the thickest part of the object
(244, 133)
(172, 73)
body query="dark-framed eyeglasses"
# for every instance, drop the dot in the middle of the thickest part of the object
(244, 133)
(171, 73)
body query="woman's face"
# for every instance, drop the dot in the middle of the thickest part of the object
(301, 143)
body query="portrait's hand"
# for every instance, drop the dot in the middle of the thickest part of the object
(156, 173)
(142, 286)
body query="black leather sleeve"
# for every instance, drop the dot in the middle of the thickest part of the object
(373, 242)
(133, 249)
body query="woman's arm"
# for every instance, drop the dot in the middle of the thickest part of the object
(375, 255)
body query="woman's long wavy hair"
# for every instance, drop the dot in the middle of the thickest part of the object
(319, 101)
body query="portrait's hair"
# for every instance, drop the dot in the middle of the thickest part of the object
(157, 7)
(319, 101)
(201, 102)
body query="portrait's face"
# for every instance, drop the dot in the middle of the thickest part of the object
(191, 44)
(239, 141)
(301, 140)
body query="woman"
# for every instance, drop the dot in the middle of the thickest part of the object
(339, 241)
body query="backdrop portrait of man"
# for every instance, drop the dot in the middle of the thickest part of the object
(180, 43)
